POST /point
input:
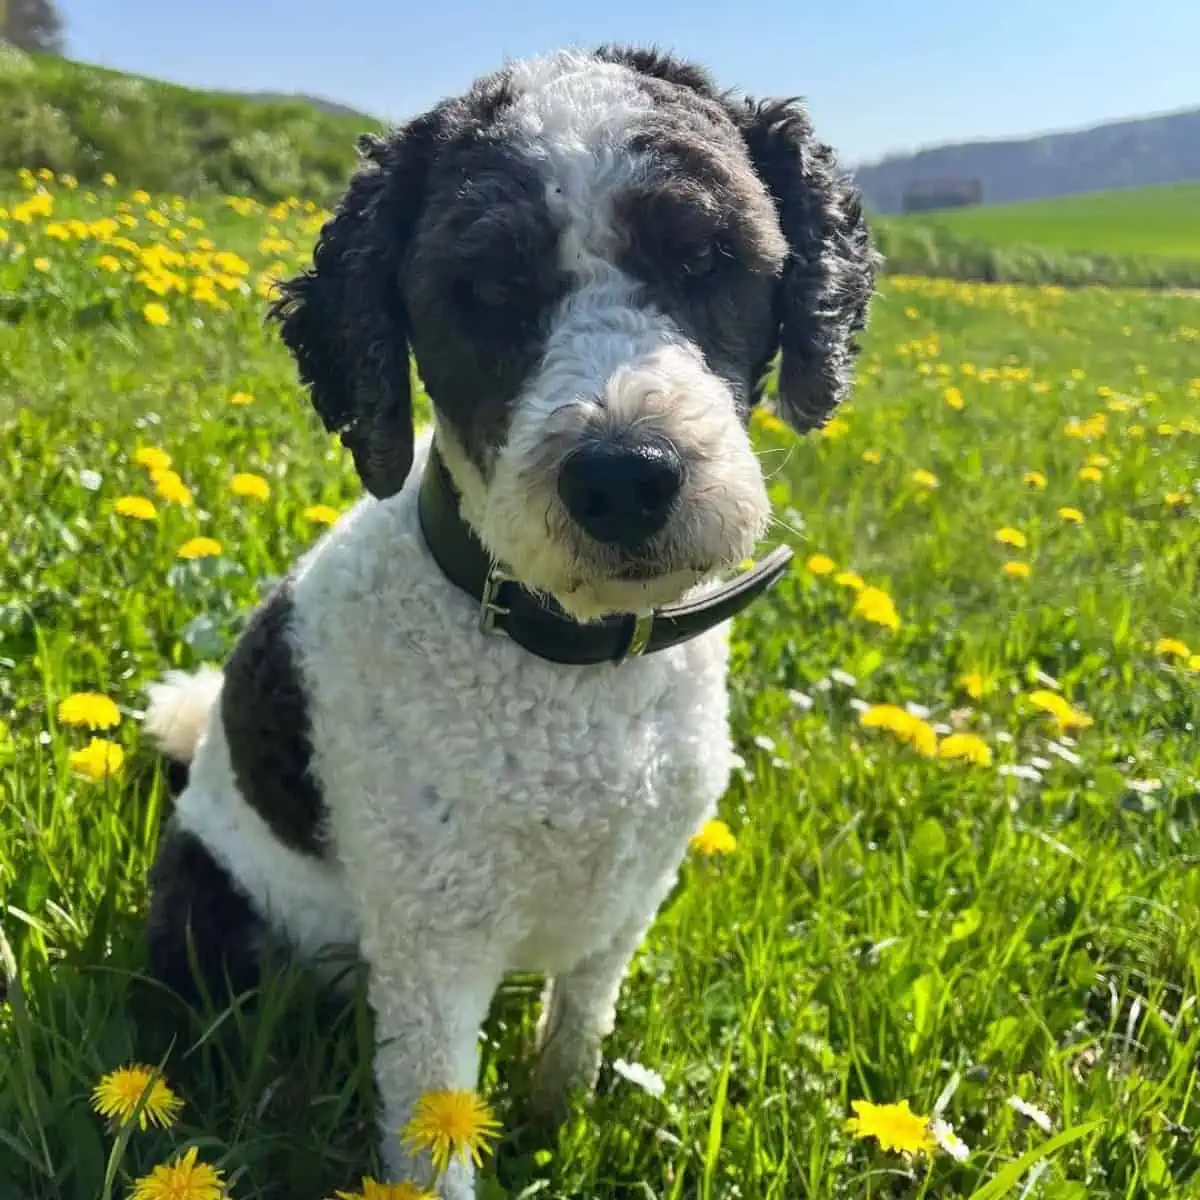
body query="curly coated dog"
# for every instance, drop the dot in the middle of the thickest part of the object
(472, 731)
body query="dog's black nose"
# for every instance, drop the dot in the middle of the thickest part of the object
(621, 493)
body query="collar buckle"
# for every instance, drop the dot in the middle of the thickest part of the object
(490, 609)
(639, 637)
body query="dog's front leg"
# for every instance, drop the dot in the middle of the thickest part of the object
(578, 1012)
(428, 1012)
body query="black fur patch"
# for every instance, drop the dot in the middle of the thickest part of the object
(197, 910)
(264, 709)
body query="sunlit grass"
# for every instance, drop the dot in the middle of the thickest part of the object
(888, 919)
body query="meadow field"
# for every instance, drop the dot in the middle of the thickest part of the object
(1153, 221)
(959, 874)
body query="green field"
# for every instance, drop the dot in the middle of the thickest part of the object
(892, 925)
(1162, 221)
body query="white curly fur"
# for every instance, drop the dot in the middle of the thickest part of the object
(178, 710)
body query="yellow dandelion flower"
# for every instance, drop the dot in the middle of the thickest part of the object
(1098, 460)
(954, 398)
(1177, 499)
(1171, 648)
(850, 579)
(973, 683)
(1017, 570)
(899, 721)
(108, 179)
(875, 605)
(767, 421)
(1091, 474)
(1194, 663)
(1008, 536)
(1071, 515)
(713, 837)
(200, 547)
(92, 709)
(820, 564)
(152, 458)
(109, 262)
(168, 486)
(155, 314)
(1060, 709)
(41, 264)
(923, 478)
(99, 759)
(966, 745)
(250, 486)
(119, 1093)
(138, 508)
(835, 429)
(321, 514)
(182, 1179)
(1166, 429)
(140, 197)
(373, 1190)
(451, 1124)
(1035, 480)
(893, 1126)
(872, 456)
(241, 399)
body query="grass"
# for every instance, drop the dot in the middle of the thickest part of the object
(889, 926)
(1149, 221)
(932, 247)
(89, 121)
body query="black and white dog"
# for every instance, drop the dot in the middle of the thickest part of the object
(474, 730)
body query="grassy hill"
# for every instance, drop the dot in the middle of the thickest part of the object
(1151, 221)
(87, 121)
(1138, 237)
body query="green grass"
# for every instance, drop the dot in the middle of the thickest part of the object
(889, 926)
(1150, 221)
(89, 121)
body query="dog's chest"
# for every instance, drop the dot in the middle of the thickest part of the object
(549, 806)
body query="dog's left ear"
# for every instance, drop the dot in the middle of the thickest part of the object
(829, 275)
(344, 320)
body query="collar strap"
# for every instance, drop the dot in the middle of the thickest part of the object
(539, 625)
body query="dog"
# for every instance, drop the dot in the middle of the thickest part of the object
(474, 728)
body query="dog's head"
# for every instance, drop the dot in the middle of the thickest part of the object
(594, 259)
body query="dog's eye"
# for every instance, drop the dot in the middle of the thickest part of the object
(700, 261)
(486, 293)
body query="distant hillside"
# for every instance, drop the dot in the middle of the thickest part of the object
(1139, 153)
(1153, 221)
(87, 121)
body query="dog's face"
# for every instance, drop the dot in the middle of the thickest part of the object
(594, 259)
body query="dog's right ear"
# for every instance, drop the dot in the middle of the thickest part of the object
(343, 319)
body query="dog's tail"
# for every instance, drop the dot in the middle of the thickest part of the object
(177, 716)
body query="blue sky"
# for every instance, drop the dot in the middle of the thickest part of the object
(879, 75)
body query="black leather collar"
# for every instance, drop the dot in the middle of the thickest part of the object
(537, 624)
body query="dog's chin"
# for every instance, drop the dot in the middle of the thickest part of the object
(634, 589)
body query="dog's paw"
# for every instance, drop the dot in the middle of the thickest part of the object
(458, 1182)
(561, 1083)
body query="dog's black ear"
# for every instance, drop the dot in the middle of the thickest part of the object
(343, 319)
(829, 276)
